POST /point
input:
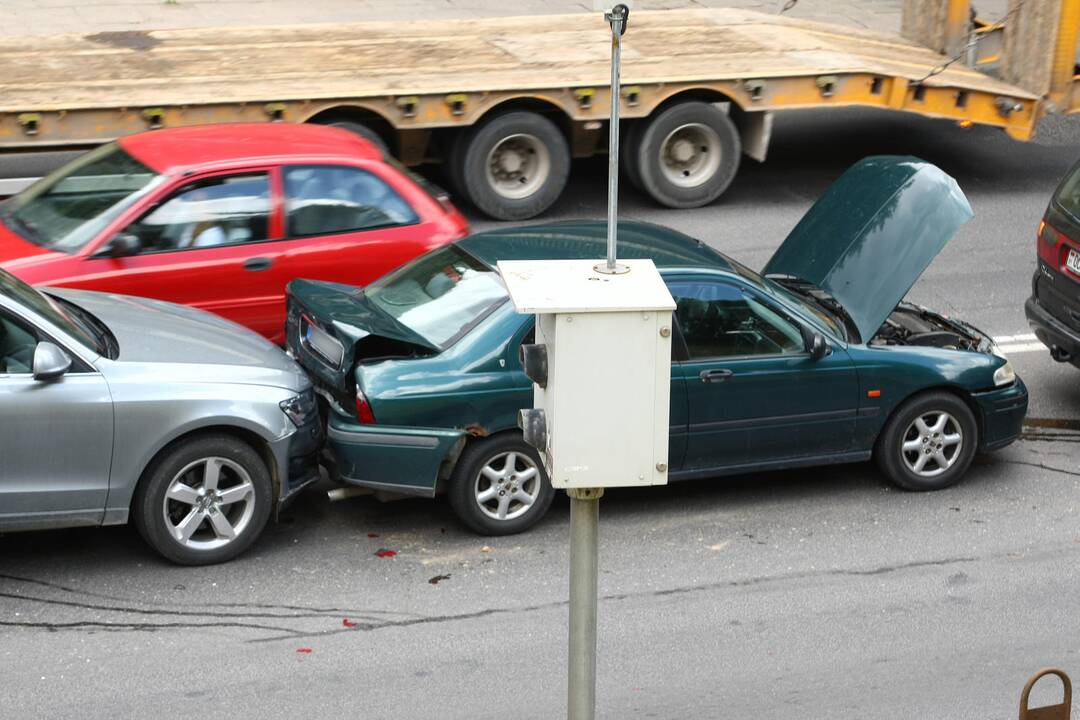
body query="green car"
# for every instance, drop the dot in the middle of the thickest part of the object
(816, 360)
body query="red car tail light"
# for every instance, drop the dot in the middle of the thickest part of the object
(363, 408)
(1047, 244)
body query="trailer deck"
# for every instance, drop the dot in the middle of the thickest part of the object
(71, 90)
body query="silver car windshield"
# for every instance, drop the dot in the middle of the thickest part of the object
(68, 208)
(440, 296)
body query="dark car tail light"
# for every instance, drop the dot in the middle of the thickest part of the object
(1047, 244)
(363, 408)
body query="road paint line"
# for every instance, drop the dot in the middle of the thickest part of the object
(1026, 337)
(1017, 348)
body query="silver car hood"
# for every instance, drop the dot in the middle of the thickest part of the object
(156, 332)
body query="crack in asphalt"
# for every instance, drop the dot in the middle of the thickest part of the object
(368, 623)
(137, 627)
(181, 613)
(308, 611)
(1043, 466)
(703, 587)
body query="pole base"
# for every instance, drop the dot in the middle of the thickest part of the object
(619, 269)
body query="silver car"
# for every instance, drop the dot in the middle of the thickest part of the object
(115, 408)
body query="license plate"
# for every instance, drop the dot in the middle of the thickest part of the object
(1073, 261)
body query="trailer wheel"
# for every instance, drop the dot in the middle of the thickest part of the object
(628, 157)
(365, 132)
(513, 166)
(688, 155)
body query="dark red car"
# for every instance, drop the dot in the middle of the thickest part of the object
(222, 217)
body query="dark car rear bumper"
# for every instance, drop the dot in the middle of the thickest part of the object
(1002, 414)
(1063, 341)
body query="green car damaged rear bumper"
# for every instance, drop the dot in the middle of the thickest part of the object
(397, 459)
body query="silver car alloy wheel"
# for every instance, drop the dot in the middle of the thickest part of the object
(507, 486)
(690, 155)
(932, 443)
(518, 166)
(209, 503)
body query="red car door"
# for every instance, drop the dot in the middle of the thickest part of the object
(212, 243)
(350, 225)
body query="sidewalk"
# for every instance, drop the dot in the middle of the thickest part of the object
(44, 17)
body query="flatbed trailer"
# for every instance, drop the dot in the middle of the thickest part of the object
(505, 102)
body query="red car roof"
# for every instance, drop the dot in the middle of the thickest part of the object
(179, 149)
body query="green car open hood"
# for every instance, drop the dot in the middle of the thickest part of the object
(872, 234)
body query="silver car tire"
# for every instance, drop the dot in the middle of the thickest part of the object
(203, 500)
(928, 442)
(505, 464)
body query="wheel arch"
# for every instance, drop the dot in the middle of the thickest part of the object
(362, 115)
(530, 103)
(473, 436)
(962, 393)
(245, 435)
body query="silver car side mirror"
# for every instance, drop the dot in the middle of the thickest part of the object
(50, 362)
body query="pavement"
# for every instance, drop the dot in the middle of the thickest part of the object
(821, 593)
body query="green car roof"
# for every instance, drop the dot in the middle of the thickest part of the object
(585, 239)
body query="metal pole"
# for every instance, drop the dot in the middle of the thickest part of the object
(617, 17)
(584, 527)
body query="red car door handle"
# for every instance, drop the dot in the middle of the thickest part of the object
(257, 263)
(715, 376)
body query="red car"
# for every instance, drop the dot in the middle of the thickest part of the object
(222, 217)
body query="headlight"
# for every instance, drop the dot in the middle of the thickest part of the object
(1004, 375)
(300, 409)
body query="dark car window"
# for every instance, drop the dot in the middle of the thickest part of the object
(719, 320)
(328, 199)
(68, 208)
(441, 295)
(223, 210)
(17, 344)
(1068, 195)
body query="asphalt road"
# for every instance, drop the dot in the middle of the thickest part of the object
(808, 594)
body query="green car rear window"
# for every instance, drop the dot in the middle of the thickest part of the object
(1068, 195)
(440, 296)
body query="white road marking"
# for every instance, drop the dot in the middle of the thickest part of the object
(1017, 348)
(1002, 339)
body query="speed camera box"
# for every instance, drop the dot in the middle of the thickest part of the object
(601, 366)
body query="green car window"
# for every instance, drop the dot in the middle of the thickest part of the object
(440, 296)
(719, 320)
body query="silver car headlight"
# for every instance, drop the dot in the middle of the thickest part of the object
(301, 409)
(1004, 375)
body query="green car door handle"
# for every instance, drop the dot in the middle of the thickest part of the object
(714, 376)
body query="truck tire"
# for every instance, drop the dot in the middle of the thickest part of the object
(928, 443)
(365, 132)
(204, 500)
(628, 158)
(687, 155)
(513, 166)
(499, 486)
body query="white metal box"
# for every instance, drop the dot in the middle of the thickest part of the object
(608, 343)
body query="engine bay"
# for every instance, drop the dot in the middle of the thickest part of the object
(910, 324)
